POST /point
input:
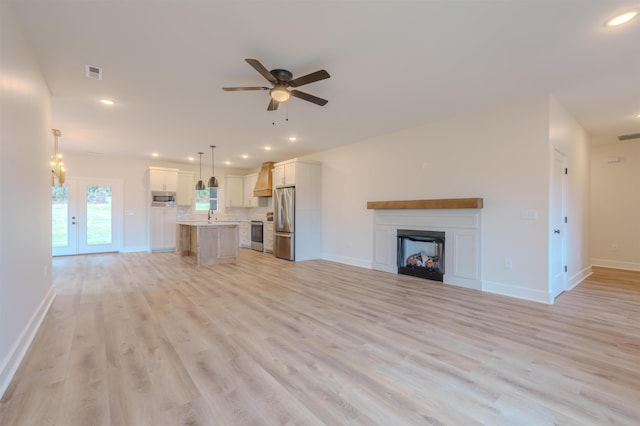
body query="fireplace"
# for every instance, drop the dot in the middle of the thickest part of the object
(421, 254)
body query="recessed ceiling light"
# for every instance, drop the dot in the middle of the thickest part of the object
(267, 148)
(107, 101)
(621, 19)
(154, 154)
(245, 156)
(637, 115)
(227, 162)
(190, 158)
(292, 138)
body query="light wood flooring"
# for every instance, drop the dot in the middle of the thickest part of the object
(151, 339)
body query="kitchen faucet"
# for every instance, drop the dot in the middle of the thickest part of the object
(209, 214)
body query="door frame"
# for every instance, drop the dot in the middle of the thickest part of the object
(558, 158)
(76, 185)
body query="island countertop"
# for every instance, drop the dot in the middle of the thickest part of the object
(208, 223)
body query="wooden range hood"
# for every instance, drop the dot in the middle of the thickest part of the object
(264, 185)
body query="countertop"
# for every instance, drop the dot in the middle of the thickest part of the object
(208, 223)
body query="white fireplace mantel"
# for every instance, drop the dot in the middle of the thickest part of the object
(462, 228)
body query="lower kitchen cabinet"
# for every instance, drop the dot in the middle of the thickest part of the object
(267, 237)
(162, 229)
(245, 234)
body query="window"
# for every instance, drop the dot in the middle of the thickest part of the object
(207, 199)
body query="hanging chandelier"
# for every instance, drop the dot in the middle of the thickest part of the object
(57, 166)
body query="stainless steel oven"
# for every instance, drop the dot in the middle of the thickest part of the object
(257, 235)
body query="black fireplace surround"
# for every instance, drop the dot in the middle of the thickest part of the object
(421, 254)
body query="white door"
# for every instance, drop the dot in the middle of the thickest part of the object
(86, 216)
(557, 261)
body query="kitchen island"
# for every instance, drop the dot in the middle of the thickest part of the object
(210, 242)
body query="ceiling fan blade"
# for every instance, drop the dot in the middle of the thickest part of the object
(261, 69)
(273, 105)
(309, 78)
(237, 89)
(307, 97)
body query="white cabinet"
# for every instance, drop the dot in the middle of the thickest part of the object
(284, 174)
(239, 191)
(186, 189)
(234, 186)
(249, 182)
(267, 237)
(245, 234)
(162, 179)
(162, 229)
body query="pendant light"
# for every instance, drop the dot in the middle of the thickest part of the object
(213, 182)
(200, 184)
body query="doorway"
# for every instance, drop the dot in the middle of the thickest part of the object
(557, 252)
(86, 216)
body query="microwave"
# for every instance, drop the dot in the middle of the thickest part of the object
(163, 198)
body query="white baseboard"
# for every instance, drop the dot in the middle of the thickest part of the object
(13, 359)
(361, 263)
(134, 249)
(578, 277)
(616, 264)
(517, 292)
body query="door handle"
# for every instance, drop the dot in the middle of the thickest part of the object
(556, 231)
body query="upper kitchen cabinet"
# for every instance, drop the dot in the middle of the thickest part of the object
(249, 182)
(284, 173)
(234, 186)
(163, 179)
(185, 192)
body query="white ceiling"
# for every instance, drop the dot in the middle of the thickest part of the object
(393, 65)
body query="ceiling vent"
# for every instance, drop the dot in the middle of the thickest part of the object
(93, 72)
(629, 137)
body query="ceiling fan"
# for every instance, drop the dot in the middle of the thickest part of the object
(281, 81)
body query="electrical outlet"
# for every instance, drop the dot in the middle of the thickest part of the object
(508, 263)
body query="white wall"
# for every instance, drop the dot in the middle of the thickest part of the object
(615, 205)
(499, 154)
(26, 144)
(566, 135)
(133, 173)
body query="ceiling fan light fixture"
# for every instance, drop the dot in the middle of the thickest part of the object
(280, 94)
(621, 19)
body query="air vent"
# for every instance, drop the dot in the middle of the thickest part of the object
(93, 72)
(629, 137)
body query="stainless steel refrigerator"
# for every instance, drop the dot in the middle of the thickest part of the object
(284, 222)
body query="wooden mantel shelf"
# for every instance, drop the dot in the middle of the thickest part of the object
(443, 203)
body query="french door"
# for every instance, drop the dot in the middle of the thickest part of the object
(86, 216)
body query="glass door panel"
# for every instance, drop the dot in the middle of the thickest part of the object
(97, 227)
(63, 229)
(99, 207)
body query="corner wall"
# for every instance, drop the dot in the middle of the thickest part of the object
(615, 205)
(26, 144)
(566, 135)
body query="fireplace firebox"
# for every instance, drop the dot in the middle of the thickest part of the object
(421, 254)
